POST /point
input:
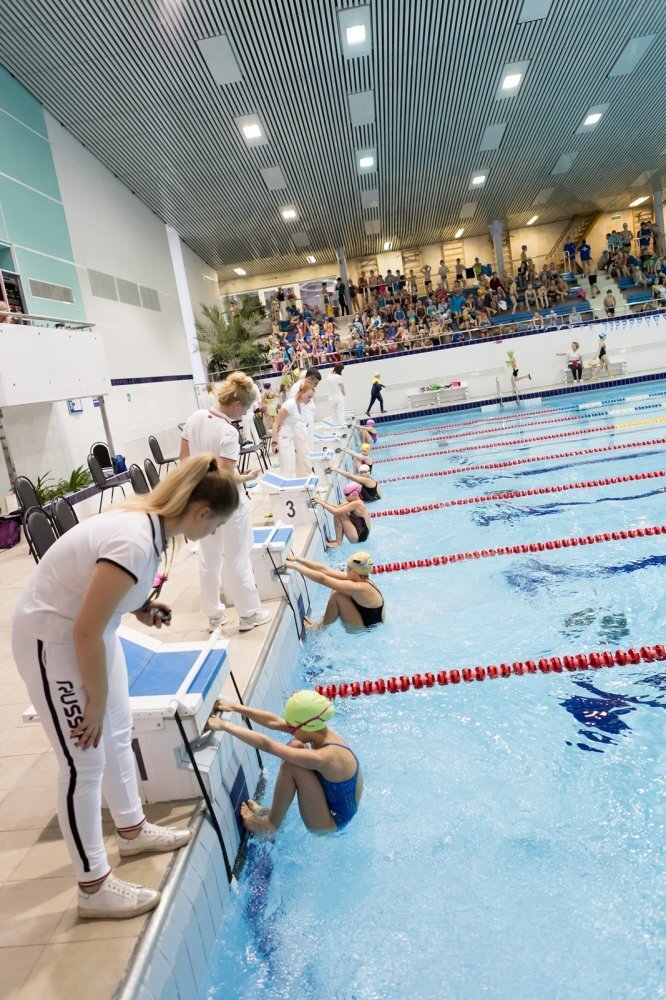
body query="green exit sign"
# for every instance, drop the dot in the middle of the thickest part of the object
(614, 217)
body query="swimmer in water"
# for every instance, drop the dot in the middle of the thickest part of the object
(351, 519)
(355, 600)
(362, 457)
(367, 432)
(369, 486)
(318, 767)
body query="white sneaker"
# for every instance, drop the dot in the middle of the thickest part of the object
(258, 618)
(217, 622)
(153, 840)
(117, 900)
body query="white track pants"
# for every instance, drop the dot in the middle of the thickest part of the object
(302, 450)
(338, 409)
(52, 676)
(287, 456)
(224, 560)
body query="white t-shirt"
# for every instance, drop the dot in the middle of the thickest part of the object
(308, 410)
(52, 598)
(293, 419)
(334, 385)
(212, 431)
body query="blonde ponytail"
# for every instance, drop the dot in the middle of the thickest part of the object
(236, 388)
(195, 479)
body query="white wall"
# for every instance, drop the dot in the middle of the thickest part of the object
(45, 437)
(639, 342)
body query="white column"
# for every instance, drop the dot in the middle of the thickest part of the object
(186, 310)
(658, 210)
(495, 229)
(342, 264)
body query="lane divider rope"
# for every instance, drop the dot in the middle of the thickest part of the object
(581, 407)
(598, 429)
(502, 430)
(525, 548)
(513, 494)
(546, 665)
(527, 461)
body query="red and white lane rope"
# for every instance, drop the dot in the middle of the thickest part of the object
(514, 427)
(546, 665)
(528, 461)
(525, 548)
(597, 429)
(514, 494)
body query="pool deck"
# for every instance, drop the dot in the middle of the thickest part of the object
(46, 952)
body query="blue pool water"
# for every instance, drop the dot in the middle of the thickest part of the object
(510, 842)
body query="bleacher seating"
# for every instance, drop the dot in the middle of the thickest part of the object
(582, 307)
(437, 397)
(615, 368)
(639, 296)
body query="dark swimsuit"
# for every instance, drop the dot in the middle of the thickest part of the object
(359, 523)
(341, 795)
(369, 493)
(370, 616)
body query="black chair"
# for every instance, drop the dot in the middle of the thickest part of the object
(137, 478)
(101, 482)
(25, 493)
(248, 448)
(157, 454)
(152, 475)
(103, 455)
(40, 531)
(63, 515)
(264, 436)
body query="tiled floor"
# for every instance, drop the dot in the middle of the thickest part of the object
(46, 952)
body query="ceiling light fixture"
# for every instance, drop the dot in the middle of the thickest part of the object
(511, 81)
(252, 131)
(366, 162)
(288, 213)
(239, 270)
(532, 220)
(459, 233)
(478, 179)
(638, 201)
(388, 246)
(310, 259)
(593, 118)
(355, 34)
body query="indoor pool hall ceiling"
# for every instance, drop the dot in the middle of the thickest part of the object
(365, 124)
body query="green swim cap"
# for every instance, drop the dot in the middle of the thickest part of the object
(308, 710)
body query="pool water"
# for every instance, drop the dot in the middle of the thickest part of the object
(510, 841)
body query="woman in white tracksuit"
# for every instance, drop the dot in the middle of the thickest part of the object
(289, 423)
(336, 391)
(67, 651)
(304, 433)
(224, 559)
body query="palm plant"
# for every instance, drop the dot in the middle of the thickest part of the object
(231, 341)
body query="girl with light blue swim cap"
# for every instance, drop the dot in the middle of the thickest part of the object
(318, 767)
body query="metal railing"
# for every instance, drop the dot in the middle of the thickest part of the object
(29, 319)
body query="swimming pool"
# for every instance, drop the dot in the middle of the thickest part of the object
(510, 840)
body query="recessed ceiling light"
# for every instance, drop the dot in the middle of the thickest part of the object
(239, 270)
(631, 55)
(366, 161)
(355, 34)
(593, 118)
(289, 212)
(459, 233)
(252, 131)
(565, 163)
(511, 81)
(478, 179)
(388, 245)
(638, 201)
(534, 10)
(532, 220)
(310, 259)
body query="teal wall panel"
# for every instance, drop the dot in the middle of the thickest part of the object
(27, 156)
(20, 103)
(32, 217)
(57, 272)
(34, 221)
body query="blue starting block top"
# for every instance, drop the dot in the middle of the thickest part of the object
(279, 483)
(272, 536)
(161, 671)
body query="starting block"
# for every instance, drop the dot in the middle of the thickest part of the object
(271, 548)
(290, 499)
(321, 461)
(165, 677)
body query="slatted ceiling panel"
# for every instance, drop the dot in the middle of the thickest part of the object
(129, 80)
